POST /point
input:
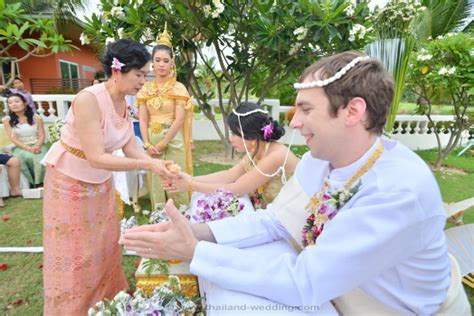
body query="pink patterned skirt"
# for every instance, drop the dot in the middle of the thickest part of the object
(82, 260)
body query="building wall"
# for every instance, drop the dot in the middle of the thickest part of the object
(48, 67)
(87, 62)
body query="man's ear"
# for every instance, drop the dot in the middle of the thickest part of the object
(355, 111)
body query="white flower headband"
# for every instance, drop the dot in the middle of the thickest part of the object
(249, 112)
(337, 75)
(267, 129)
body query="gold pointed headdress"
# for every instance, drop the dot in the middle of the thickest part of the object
(164, 38)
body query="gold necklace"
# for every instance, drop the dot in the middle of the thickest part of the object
(162, 91)
(317, 199)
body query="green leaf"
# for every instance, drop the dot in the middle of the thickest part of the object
(24, 45)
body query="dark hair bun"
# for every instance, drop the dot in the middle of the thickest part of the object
(133, 54)
(253, 124)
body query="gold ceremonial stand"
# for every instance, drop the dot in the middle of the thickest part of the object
(189, 282)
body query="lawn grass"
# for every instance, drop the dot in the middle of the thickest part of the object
(454, 187)
(410, 109)
(23, 279)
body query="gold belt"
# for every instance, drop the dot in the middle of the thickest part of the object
(75, 151)
(156, 127)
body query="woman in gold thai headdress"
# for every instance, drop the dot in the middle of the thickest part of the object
(165, 112)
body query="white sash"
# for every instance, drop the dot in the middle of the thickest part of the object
(289, 210)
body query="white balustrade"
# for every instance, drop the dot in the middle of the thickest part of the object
(57, 106)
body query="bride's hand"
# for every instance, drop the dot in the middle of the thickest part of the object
(180, 184)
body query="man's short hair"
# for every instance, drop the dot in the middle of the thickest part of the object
(367, 79)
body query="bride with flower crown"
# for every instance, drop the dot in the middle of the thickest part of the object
(263, 170)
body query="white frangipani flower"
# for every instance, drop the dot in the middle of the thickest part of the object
(423, 57)
(446, 71)
(84, 39)
(117, 12)
(358, 31)
(120, 33)
(300, 33)
(443, 71)
(314, 48)
(349, 11)
(294, 49)
(207, 10)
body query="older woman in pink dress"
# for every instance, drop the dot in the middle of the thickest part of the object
(82, 260)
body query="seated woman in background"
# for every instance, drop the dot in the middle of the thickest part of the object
(13, 170)
(260, 173)
(26, 131)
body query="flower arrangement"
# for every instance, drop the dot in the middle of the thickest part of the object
(327, 206)
(167, 299)
(54, 131)
(127, 223)
(146, 217)
(217, 205)
(157, 216)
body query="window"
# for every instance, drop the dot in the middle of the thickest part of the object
(69, 74)
(5, 70)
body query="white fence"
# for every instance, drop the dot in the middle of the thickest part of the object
(412, 130)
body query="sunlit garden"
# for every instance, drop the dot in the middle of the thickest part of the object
(224, 53)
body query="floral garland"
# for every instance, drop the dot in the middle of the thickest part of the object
(167, 299)
(258, 198)
(323, 206)
(328, 205)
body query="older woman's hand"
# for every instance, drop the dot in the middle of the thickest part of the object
(161, 167)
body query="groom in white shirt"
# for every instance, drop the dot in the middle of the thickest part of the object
(371, 237)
